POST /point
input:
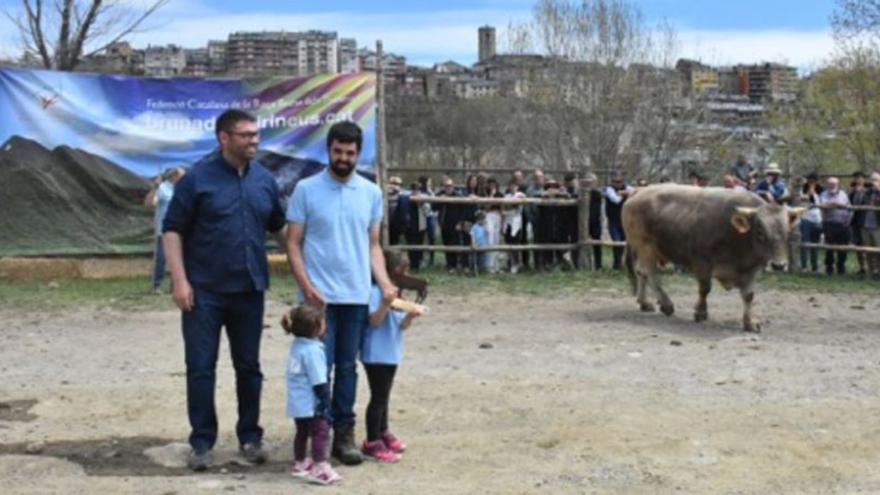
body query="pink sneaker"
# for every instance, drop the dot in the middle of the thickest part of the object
(393, 443)
(323, 474)
(377, 451)
(300, 469)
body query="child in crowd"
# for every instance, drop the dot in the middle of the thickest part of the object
(381, 352)
(512, 225)
(308, 394)
(480, 238)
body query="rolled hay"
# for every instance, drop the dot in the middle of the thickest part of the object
(98, 268)
(45, 269)
(278, 264)
(40, 268)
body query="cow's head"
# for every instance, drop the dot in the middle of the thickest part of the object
(768, 227)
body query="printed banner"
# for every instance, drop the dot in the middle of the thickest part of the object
(78, 151)
(146, 125)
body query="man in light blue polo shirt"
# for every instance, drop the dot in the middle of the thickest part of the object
(334, 222)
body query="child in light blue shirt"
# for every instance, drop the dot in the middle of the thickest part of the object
(308, 394)
(381, 353)
(480, 238)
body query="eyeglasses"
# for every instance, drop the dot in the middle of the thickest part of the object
(246, 135)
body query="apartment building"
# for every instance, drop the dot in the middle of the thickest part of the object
(698, 79)
(768, 82)
(198, 63)
(252, 54)
(164, 61)
(348, 56)
(217, 56)
(391, 63)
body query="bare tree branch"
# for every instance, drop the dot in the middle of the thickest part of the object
(77, 24)
(133, 27)
(856, 17)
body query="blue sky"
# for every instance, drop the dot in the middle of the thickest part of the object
(727, 32)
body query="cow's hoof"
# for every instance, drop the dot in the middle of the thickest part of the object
(646, 307)
(701, 316)
(667, 310)
(754, 328)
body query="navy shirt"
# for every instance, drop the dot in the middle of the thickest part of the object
(222, 218)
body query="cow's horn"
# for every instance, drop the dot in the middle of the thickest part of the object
(796, 212)
(746, 211)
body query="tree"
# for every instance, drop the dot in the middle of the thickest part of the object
(837, 121)
(61, 33)
(855, 18)
(835, 125)
(610, 84)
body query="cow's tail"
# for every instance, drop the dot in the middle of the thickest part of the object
(629, 263)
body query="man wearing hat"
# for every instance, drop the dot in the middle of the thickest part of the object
(392, 195)
(773, 186)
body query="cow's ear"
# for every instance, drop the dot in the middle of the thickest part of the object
(741, 223)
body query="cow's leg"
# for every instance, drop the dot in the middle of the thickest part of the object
(663, 300)
(643, 265)
(747, 292)
(701, 312)
(642, 297)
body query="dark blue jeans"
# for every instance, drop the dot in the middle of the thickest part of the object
(615, 230)
(837, 234)
(810, 233)
(158, 263)
(242, 315)
(345, 330)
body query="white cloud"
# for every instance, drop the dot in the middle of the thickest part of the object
(802, 49)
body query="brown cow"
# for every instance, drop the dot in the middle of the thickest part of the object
(711, 232)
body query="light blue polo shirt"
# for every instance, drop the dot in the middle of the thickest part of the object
(337, 217)
(383, 344)
(480, 235)
(164, 193)
(306, 367)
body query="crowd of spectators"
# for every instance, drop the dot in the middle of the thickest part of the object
(415, 223)
(828, 217)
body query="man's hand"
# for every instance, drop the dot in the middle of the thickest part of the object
(388, 298)
(389, 293)
(314, 297)
(182, 294)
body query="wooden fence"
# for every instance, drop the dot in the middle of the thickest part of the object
(584, 243)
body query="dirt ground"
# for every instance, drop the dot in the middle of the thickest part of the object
(498, 394)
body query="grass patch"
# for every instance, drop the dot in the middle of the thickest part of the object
(133, 293)
(115, 293)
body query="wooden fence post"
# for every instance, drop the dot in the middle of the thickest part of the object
(583, 215)
(380, 139)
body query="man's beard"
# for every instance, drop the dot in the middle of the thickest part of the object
(250, 151)
(341, 168)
